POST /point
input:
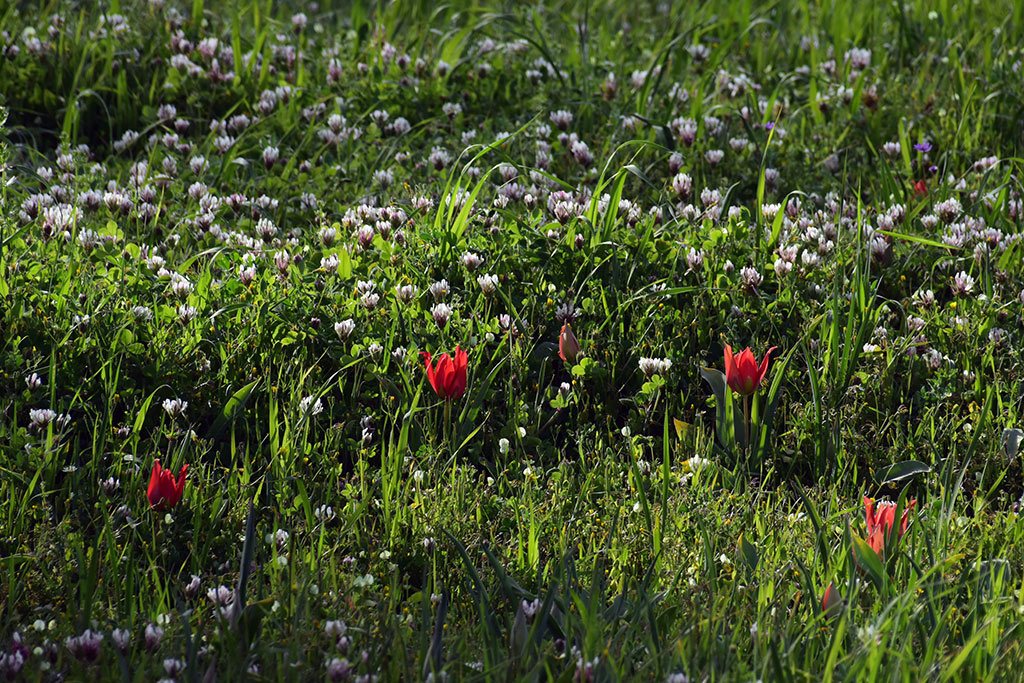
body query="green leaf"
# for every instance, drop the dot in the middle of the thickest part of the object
(728, 434)
(748, 552)
(231, 409)
(682, 428)
(12, 560)
(344, 264)
(140, 419)
(868, 560)
(1009, 443)
(915, 238)
(903, 470)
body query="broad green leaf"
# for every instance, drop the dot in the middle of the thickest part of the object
(868, 560)
(231, 409)
(903, 470)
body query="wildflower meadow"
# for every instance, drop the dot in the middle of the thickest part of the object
(581, 341)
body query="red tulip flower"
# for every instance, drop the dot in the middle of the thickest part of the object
(880, 521)
(921, 188)
(164, 492)
(742, 372)
(832, 601)
(447, 376)
(568, 346)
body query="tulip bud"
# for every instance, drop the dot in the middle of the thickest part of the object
(831, 602)
(568, 346)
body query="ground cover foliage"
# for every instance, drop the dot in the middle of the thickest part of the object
(231, 231)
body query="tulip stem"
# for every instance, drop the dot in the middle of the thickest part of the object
(448, 425)
(746, 423)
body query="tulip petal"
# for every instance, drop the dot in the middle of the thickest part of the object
(179, 486)
(869, 513)
(568, 345)
(746, 366)
(763, 370)
(443, 374)
(431, 376)
(731, 377)
(153, 491)
(876, 539)
(458, 383)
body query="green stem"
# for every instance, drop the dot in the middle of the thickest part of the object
(746, 423)
(448, 425)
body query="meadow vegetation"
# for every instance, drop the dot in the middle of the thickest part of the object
(590, 341)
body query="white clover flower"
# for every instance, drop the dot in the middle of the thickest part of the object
(88, 239)
(344, 329)
(338, 670)
(270, 156)
(405, 293)
(472, 261)
(770, 211)
(153, 635)
(280, 539)
(441, 313)
(283, 261)
(439, 290)
(948, 210)
(335, 629)
(925, 298)
(963, 284)
(310, 405)
(181, 287)
(330, 263)
(174, 667)
(562, 119)
(122, 639)
(41, 417)
(750, 278)
(175, 407)
(488, 283)
(694, 260)
(439, 158)
(222, 596)
(682, 184)
(246, 274)
(142, 314)
(266, 229)
(187, 314)
(369, 300)
(655, 366)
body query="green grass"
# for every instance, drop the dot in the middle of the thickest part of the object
(609, 519)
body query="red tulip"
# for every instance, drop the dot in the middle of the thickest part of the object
(921, 188)
(448, 377)
(742, 372)
(832, 601)
(164, 492)
(568, 346)
(879, 521)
